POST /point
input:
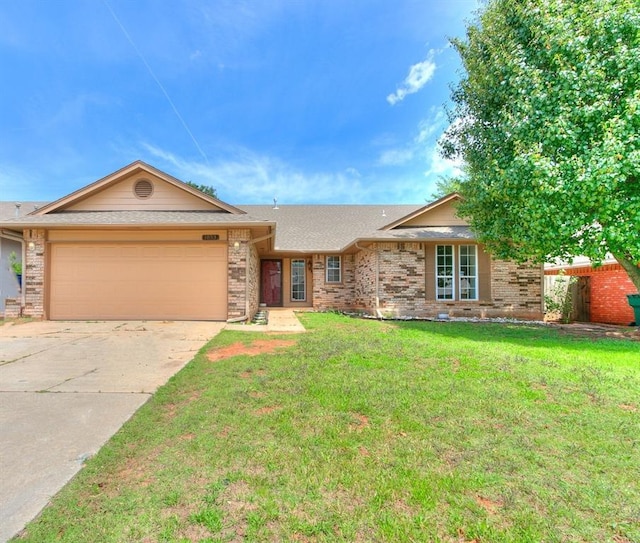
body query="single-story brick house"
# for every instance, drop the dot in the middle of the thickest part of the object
(140, 244)
(600, 293)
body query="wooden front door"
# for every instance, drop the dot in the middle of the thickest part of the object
(271, 282)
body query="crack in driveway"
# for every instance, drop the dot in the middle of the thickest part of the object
(35, 353)
(94, 370)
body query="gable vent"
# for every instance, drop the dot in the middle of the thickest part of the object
(143, 188)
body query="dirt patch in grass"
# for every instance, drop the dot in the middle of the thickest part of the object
(171, 409)
(194, 532)
(250, 373)
(267, 409)
(363, 451)
(136, 470)
(260, 346)
(488, 505)
(599, 331)
(359, 423)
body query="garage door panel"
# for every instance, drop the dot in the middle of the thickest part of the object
(138, 281)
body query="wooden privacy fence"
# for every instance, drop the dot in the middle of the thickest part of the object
(577, 288)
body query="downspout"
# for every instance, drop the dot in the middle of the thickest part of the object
(17, 237)
(246, 282)
(377, 282)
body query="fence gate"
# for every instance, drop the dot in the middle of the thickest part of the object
(581, 296)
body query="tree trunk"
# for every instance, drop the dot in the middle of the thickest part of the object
(631, 268)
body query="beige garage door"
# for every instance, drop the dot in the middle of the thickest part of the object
(154, 281)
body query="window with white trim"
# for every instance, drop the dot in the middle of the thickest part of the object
(468, 278)
(445, 281)
(333, 269)
(298, 281)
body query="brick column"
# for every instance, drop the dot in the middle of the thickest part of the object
(33, 273)
(237, 274)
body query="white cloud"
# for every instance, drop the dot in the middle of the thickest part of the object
(396, 157)
(246, 177)
(428, 129)
(419, 75)
(442, 167)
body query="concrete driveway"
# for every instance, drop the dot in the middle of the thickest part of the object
(66, 388)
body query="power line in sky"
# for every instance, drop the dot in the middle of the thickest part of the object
(153, 75)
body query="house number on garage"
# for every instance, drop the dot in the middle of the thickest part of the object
(210, 237)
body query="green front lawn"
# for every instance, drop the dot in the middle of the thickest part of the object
(368, 431)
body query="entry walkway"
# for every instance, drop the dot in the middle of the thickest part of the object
(281, 320)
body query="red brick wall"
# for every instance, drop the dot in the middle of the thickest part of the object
(609, 297)
(610, 285)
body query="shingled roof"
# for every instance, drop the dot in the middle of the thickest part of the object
(130, 218)
(11, 210)
(326, 228)
(298, 228)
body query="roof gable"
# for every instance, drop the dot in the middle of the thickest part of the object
(442, 212)
(138, 187)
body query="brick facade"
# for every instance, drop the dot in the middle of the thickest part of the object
(254, 281)
(365, 290)
(334, 295)
(239, 257)
(401, 283)
(515, 290)
(33, 273)
(609, 285)
(12, 308)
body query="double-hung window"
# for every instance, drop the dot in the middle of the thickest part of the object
(298, 280)
(445, 281)
(468, 272)
(456, 279)
(333, 269)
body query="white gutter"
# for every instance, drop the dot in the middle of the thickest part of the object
(246, 293)
(13, 236)
(377, 283)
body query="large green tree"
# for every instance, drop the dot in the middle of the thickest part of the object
(546, 117)
(203, 188)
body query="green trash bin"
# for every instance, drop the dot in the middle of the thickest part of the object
(634, 302)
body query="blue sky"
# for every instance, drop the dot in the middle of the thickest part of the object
(309, 101)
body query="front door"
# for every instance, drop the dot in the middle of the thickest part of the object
(271, 282)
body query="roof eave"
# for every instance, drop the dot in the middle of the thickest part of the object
(397, 239)
(17, 226)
